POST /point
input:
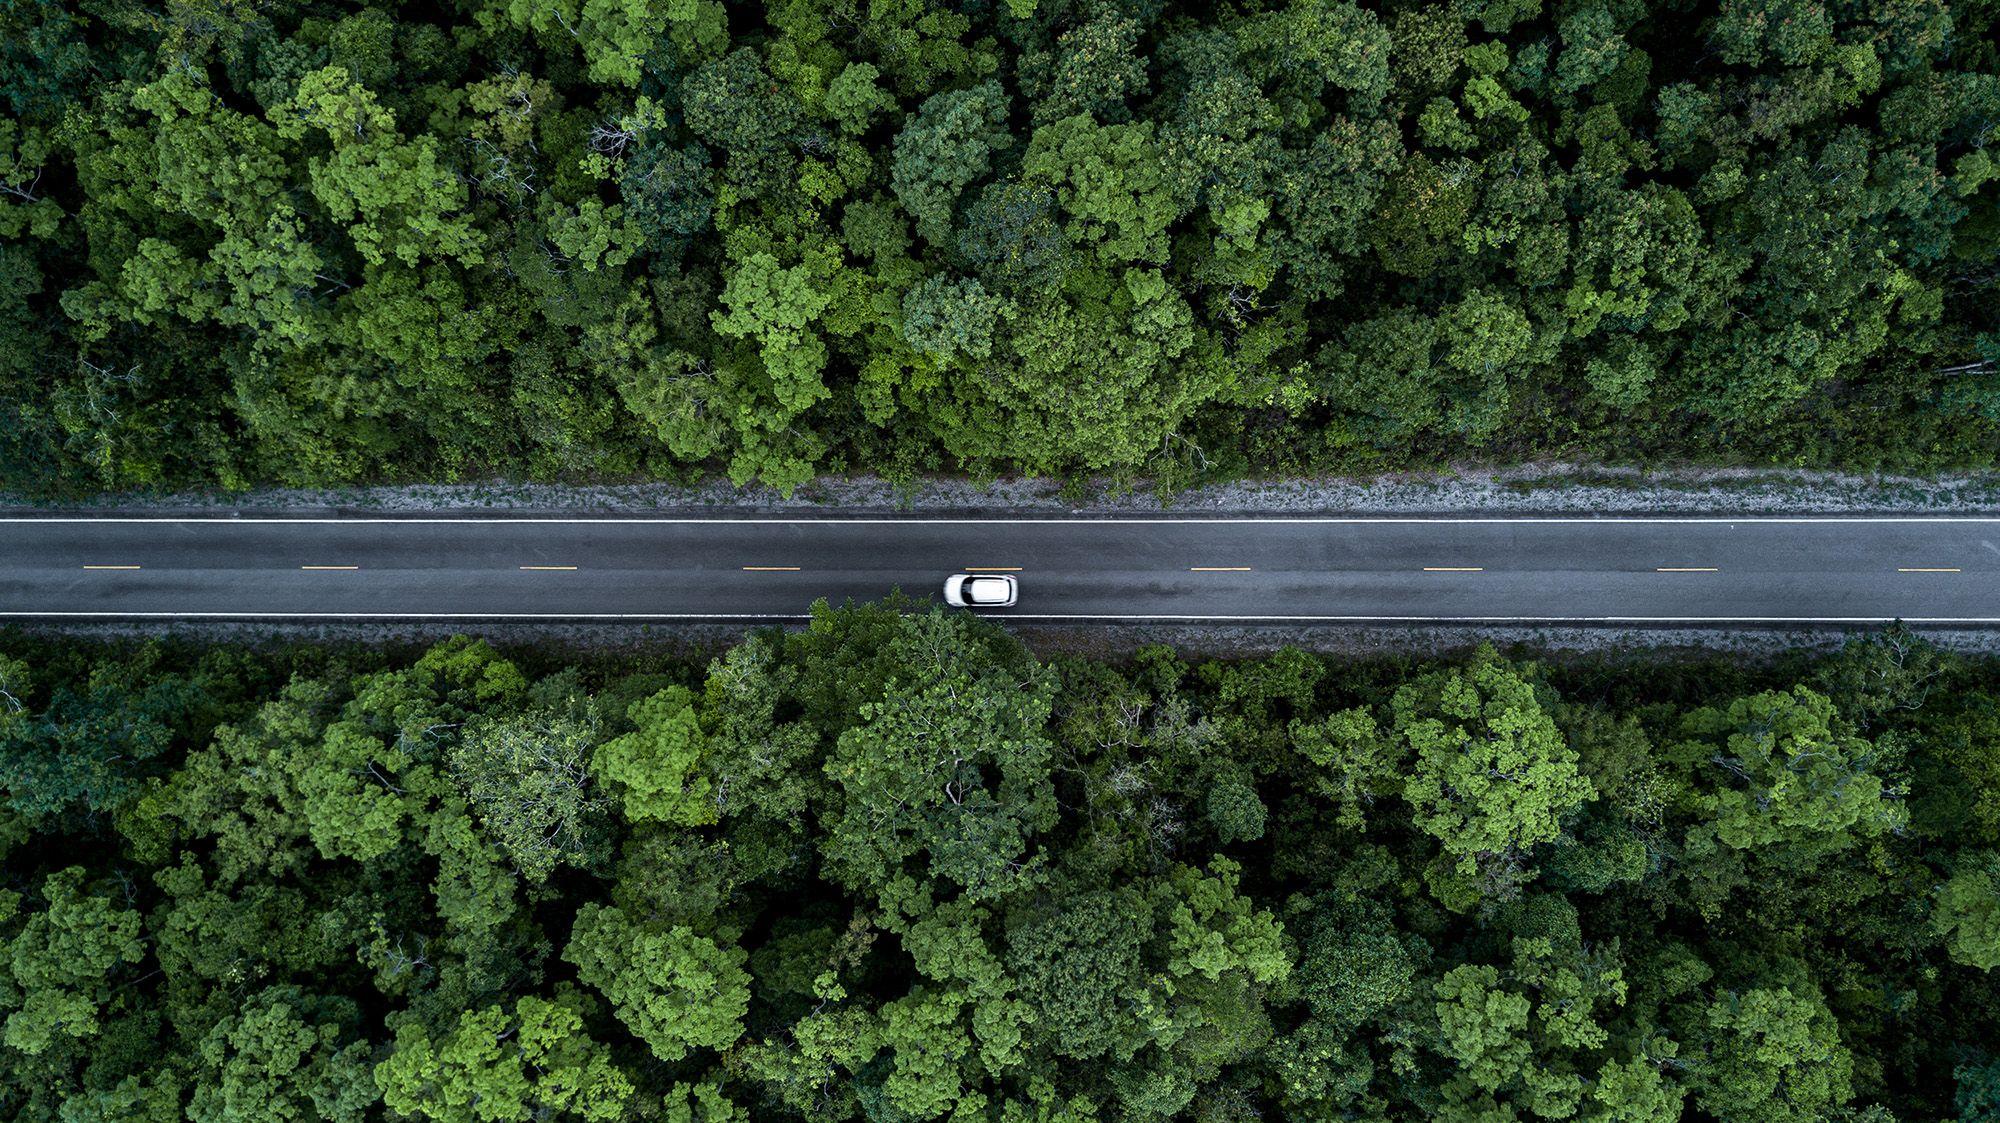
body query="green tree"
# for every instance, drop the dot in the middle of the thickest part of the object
(658, 767)
(62, 961)
(1321, 43)
(615, 37)
(775, 306)
(669, 193)
(945, 147)
(1012, 235)
(1111, 181)
(1770, 1053)
(926, 1077)
(1493, 776)
(288, 1057)
(534, 1061)
(88, 745)
(527, 777)
(853, 97)
(676, 991)
(950, 765)
(1214, 930)
(1074, 956)
(702, 1103)
(951, 317)
(1967, 912)
(1403, 373)
(1534, 1035)
(1099, 383)
(1790, 773)
(1354, 762)
(733, 104)
(1094, 70)
(395, 195)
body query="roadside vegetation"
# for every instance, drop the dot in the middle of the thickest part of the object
(319, 243)
(894, 868)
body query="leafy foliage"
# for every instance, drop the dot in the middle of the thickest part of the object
(893, 867)
(1492, 775)
(321, 243)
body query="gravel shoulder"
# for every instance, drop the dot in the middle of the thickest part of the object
(1554, 488)
(704, 640)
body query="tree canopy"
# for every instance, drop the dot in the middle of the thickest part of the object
(892, 866)
(318, 242)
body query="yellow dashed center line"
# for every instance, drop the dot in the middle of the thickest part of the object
(1454, 569)
(1218, 569)
(1687, 569)
(1926, 569)
(770, 569)
(110, 567)
(993, 569)
(323, 567)
(547, 568)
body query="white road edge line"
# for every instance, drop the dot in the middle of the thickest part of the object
(510, 520)
(1982, 620)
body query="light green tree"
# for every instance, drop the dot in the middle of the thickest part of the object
(674, 990)
(1111, 181)
(658, 767)
(615, 36)
(775, 306)
(1536, 1036)
(287, 1057)
(1493, 775)
(702, 1103)
(397, 196)
(1967, 911)
(1771, 1053)
(1791, 773)
(1484, 1026)
(61, 965)
(854, 98)
(1212, 929)
(497, 1065)
(929, 1050)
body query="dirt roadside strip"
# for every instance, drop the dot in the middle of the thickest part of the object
(1529, 489)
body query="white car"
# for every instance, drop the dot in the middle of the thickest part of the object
(980, 590)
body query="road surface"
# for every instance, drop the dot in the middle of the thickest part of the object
(1656, 571)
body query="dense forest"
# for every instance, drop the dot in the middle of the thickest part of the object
(894, 868)
(319, 241)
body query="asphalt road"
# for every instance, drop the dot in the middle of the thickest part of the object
(1663, 571)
